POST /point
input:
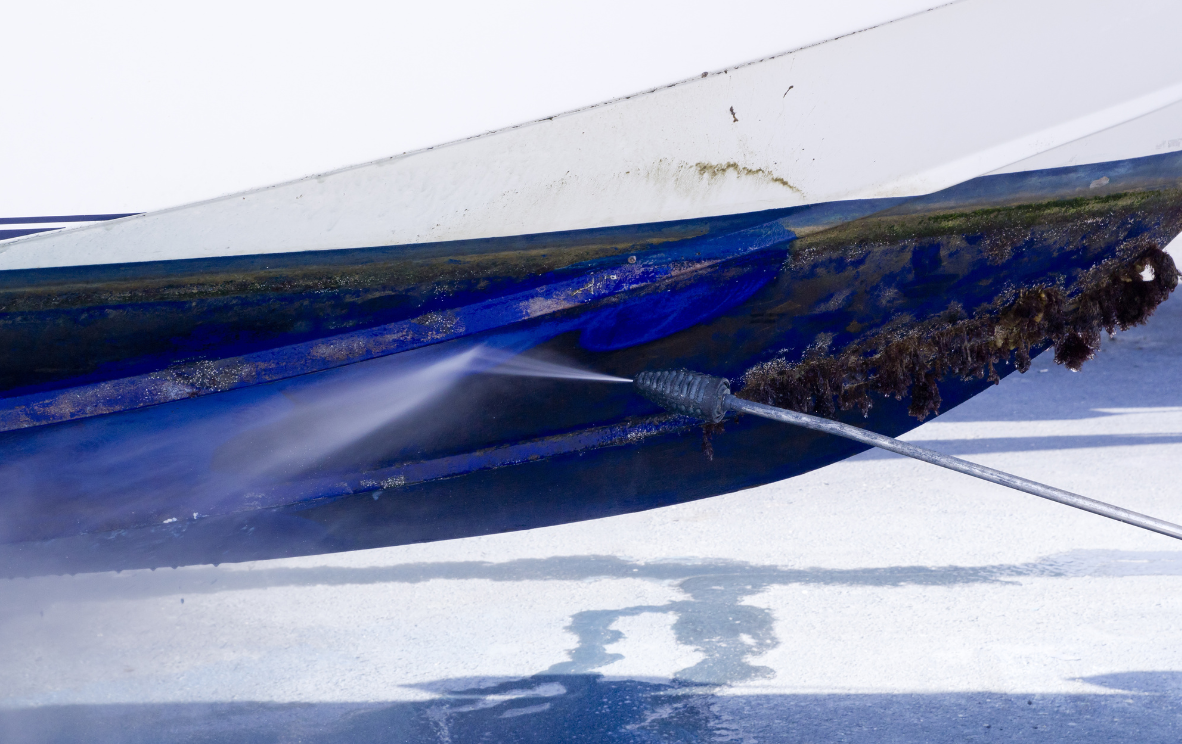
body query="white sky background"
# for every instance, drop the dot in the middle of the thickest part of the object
(126, 106)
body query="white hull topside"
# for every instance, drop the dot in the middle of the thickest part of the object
(906, 108)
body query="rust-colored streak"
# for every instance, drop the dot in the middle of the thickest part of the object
(719, 170)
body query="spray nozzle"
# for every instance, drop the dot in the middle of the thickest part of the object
(689, 393)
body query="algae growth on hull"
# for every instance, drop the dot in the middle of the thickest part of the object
(1130, 276)
(67, 325)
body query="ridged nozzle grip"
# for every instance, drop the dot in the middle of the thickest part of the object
(688, 393)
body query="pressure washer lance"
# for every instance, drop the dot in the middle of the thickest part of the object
(709, 398)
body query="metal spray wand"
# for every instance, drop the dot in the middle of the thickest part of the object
(709, 398)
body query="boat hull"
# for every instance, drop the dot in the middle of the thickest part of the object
(847, 229)
(248, 420)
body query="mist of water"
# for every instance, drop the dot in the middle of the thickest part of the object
(507, 363)
(336, 416)
(204, 455)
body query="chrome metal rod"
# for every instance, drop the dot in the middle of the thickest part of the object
(952, 463)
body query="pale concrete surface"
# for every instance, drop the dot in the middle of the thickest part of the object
(877, 600)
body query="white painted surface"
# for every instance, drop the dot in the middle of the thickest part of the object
(870, 114)
(1152, 134)
(133, 106)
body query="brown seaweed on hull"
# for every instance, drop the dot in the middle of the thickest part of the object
(1120, 292)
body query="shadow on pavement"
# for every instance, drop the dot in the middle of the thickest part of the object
(986, 445)
(1139, 706)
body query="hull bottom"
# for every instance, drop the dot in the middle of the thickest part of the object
(876, 314)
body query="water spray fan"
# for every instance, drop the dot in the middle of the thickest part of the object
(709, 398)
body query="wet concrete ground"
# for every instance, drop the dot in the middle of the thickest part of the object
(877, 600)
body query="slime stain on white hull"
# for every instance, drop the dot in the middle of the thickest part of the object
(929, 170)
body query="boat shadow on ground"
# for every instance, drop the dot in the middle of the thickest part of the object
(1141, 706)
(711, 585)
(988, 445)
